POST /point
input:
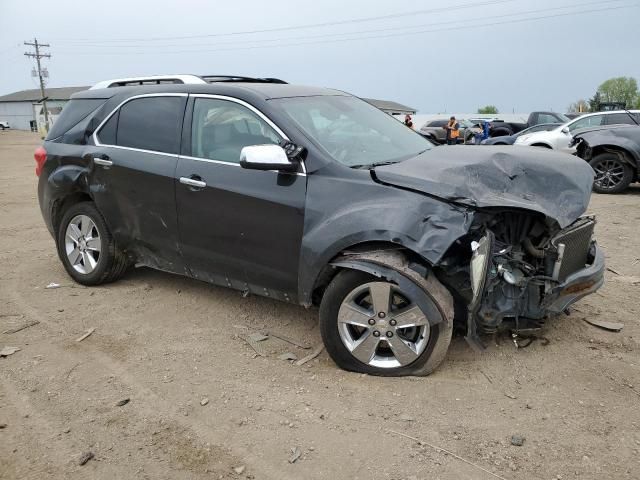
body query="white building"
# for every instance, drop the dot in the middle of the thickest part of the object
(23, 110)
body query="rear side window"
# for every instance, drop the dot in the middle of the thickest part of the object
(150, 123)
(73, 112)
(547, 118)
(437, 123)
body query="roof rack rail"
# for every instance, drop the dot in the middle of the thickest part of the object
(237, 78)
(180, 79)
(150, 80)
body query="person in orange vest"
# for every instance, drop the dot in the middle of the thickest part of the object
(453, 131)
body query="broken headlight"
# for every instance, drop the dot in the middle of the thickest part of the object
(480, 261)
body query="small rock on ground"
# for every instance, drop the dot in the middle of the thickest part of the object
(85, 457)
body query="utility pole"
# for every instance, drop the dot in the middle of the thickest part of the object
(37, 55)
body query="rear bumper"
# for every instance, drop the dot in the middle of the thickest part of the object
(577, 285)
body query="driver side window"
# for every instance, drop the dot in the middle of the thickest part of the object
(220, 129)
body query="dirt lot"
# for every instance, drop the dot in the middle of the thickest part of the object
(169, 343)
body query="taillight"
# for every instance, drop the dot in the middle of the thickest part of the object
(40, 156)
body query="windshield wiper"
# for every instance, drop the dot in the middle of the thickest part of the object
(632, 117)
(371, 165)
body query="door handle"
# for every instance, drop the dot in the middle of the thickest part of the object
(102, 160)
(193, 181)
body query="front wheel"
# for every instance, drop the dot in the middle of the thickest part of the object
(86, 248)
(612, 175)
(372, 326)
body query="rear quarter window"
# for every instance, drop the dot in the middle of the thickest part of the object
(73, 113)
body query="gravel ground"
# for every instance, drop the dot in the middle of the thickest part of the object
(203, 406)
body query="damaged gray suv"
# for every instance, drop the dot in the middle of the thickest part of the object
(313, 196)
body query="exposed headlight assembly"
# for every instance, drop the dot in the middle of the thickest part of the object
(480, 261)
(479, 271)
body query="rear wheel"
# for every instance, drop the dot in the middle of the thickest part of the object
(372, 326)
(86, 248)
(612, 174)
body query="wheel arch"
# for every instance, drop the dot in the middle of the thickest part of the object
(62, 204)
(67, 186)
(331, 268)
(501, 132)
(626, 155)
(541, 144)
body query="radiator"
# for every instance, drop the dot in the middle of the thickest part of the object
(572, 245)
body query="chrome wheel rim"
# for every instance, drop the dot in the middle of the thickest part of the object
(609, 174)
(381, 326)
(83, 244)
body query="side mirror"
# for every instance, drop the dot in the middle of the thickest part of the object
(266, 157)
(565, 130)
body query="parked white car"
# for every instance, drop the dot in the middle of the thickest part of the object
(560, 137)
(4, 125)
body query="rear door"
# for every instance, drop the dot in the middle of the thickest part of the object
(132, 176)
(238, 227)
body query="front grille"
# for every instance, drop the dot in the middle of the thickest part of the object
(572, 245)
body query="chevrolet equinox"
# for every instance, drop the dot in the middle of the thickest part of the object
(313, 196)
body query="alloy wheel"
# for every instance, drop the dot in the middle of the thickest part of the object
(83, 244)
(609, 174)
(381, 326)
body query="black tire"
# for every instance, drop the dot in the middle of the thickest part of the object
(439, 336)
(111, 264)
(501, 132)
(620, 174)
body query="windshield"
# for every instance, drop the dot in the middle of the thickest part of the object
(352, 131)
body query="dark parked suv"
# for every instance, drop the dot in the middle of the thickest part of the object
(313, 196)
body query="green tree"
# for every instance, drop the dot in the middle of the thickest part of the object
(619, 89)
(579, 106)
(594, 102)
(488, 109)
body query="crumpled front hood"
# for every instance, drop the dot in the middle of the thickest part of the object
(555, 184)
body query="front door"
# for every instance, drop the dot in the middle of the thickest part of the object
(238, 227)
(132, 177)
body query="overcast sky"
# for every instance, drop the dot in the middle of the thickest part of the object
(476, 53)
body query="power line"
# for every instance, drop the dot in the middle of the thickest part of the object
(37, 55)
(401, 34)
(377, 30)
(448, 8)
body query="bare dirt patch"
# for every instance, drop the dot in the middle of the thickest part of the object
(167, 343)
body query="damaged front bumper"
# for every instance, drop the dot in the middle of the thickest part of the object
(577, 285)
(517, 287)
